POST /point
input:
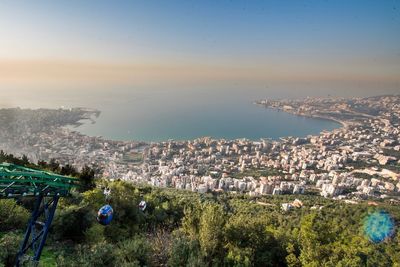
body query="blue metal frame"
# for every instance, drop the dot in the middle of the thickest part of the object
(36, 232)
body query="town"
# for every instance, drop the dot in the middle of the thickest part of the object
(360, 160)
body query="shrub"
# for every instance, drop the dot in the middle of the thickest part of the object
(184, 251)
(9, 245)
(72, 222)
(12, 215)
(133, 251)
(102, 254)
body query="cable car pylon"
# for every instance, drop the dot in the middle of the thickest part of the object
(46, 189)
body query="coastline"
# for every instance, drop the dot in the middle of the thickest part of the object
(343, 123)
(336, 110)
(315, 129)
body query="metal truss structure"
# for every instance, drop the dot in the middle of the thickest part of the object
(45, 189)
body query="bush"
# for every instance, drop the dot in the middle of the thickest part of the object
(95, 234)
(184, 251)
(71, 223)
(9, 245)
(160, 240)
(133, 252)
(12, 215)
(248, 240)
(102, 254)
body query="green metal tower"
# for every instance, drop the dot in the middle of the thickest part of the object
(45, 189)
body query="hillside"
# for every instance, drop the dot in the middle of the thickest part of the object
(180, 228)
(183, 228)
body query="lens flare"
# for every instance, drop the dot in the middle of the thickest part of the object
(378, 226)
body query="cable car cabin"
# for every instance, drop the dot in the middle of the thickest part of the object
(105, 215)
(142, 205)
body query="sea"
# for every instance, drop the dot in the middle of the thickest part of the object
(159, 114)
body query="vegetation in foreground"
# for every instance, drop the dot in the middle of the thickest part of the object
(181, 228)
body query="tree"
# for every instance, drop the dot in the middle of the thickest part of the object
(191, 221)
(211, 235)
(24, 160)
(312, 251)
(54, 165)
(72, 222)
(86, 176)
(248, 241)
(292, 259)
(68, 170)
(184, 251)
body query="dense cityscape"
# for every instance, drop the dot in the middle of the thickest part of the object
(360, 160)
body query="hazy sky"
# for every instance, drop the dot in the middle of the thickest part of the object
(47, 43)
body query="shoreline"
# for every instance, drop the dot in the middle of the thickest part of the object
(343, 123)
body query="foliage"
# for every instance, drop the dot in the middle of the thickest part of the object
(9, 245)
(94, 234)
(184, 251)
(86, 176)
(182, 228)
(249, 241)
(161, 241)
(211, 233)
(133, 252)
(72, 222)
(10, 158)
(102, 254)
(12, 215)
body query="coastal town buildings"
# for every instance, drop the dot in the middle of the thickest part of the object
(359, 160)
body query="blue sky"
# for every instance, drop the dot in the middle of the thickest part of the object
(278, 40)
